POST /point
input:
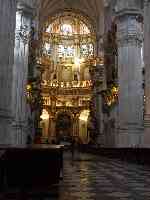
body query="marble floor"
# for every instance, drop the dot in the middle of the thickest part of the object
(90, 177)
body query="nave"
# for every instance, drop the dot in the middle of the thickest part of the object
(91, 177)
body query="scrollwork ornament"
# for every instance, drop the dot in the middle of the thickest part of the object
(22, 34)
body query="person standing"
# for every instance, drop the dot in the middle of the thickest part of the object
(72, 148)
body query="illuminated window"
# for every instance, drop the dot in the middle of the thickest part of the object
(86, 50)
(66, 29)
(84, 29)
(66, 51)
(61, 51)
(49, 28)
(47, 49)
(91, 50)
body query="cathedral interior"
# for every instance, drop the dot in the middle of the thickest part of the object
(77, 70)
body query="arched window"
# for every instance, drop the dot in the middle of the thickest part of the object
(66, 29)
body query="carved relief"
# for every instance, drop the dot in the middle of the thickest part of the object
(22, 29)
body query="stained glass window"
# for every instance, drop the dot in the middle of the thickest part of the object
(84, 29)
(47, 49)
(49, 28)
(86, 50)
(91, 49)
(66, 51)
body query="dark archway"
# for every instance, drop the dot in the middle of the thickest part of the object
(63, 126)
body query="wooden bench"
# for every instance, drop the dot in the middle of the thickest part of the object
(30, 166)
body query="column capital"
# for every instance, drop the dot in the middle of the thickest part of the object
(146, 2)
(25, 9)
(125, 7)
(23, 22)
(129, 30)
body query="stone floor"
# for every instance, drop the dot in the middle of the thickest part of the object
(91, 177)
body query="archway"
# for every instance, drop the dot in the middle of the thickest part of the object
(63, 127)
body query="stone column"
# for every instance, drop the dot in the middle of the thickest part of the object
(99, 80)
(20, 74)
(7, 36)
(129, 36)
(75, 124)
(146, 139)
(100, 119)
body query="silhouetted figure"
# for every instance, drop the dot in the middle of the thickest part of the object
(47, 141)
(53, 142)
(29, 139)
(72, 148)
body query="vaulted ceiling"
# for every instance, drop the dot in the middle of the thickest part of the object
(94, 9)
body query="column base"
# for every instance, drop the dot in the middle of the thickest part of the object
(129, 137)
(5, 126)
(5, 131)
(20, 131)
(146, 135)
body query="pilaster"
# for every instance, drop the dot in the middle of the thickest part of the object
(20, 74)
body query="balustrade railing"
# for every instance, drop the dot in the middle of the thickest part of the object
(67, 85)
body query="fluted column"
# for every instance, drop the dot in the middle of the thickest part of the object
(146, 139)
(7, 37)
(20, 74)
(129, 36)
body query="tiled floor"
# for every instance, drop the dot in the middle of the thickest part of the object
(91, 177)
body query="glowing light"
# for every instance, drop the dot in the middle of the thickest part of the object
(47, 46)
(28, 87)
(84, 115)
(78, 61)
(66, 29)
(44, 115)
(48, 30)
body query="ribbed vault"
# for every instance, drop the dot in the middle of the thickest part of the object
(91, 8)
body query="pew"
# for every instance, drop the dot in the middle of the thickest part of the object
(31, 165)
